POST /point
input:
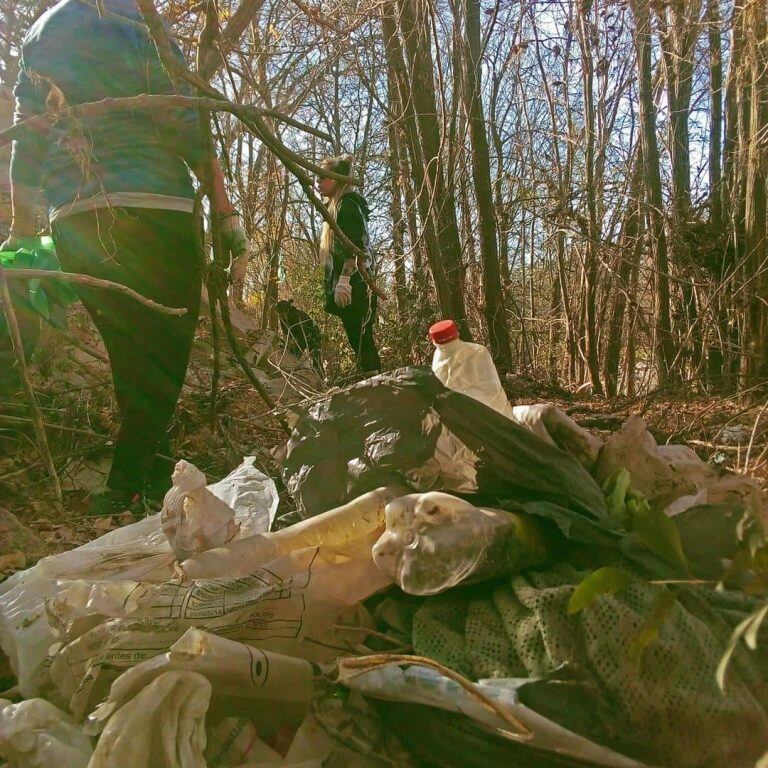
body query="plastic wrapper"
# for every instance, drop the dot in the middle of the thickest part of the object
(406, 428)
(345, 533)
(294, 589)
(193, 518)
(233, 669)
(435, 541)
(35, 734)
(107, 569)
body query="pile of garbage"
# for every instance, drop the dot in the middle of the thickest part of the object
(469, 585)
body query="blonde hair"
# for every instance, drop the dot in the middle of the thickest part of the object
(326, 234)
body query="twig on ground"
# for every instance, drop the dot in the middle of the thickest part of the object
(49, 425)
(752, 435)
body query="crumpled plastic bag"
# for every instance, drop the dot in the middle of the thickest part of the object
(35, 734)
(136, 553)
(311, 747)
(234, 670)
(435, 541)
(163, 726)
(673, 477)
(193, 518)
(552, 425)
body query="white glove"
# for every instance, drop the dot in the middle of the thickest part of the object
(233, 237)
(342, 293)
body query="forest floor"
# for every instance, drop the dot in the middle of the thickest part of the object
(75, 394)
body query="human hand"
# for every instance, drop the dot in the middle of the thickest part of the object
(342, 293)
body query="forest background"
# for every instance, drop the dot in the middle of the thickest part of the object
(581, 183)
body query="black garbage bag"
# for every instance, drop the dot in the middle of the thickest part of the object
(405, 428)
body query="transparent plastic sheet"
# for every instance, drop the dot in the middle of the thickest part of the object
(425, 685)
(136, 553)
(435, 541)
(35, 734)
(193, 518)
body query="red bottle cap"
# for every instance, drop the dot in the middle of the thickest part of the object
(444, 331)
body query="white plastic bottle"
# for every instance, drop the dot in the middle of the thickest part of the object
(467, 368)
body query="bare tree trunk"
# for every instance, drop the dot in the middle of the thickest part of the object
(663, 347)
(755, 364)
(274, 230)
(495, 315)
(630, 246)
(415, 27)
(396, 200)
(444, 288)
(716, 112)
(591, 268)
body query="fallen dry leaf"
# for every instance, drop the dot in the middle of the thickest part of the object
(12, 561)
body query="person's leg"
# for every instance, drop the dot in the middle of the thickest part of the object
(155, 253)
(370, 362)
(359, 320)
(352, 320)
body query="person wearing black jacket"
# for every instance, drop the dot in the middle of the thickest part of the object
(346, 293)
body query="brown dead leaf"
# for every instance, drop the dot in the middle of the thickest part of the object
(13, 561)
(105, 524)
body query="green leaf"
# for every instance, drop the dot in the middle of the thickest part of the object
(750, 636)
(603, 581)
(661, 609)
(659, 533)
(747, 629)
(617, 498)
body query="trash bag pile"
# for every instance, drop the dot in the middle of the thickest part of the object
(462, 589)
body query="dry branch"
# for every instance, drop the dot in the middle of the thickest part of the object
(154, 101)
(91, 282)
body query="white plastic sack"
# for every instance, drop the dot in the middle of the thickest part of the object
(163, 726)
(136, 553)
(35, 734)
(310, 578)
(311, 747)
(672, 477)
(421, 684)
(233, 669)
